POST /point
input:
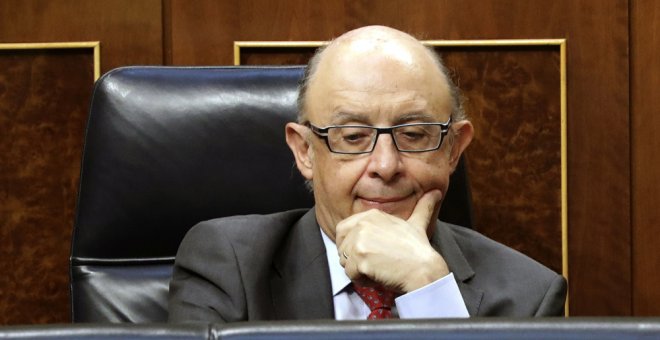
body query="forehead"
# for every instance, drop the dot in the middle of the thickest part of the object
(379, 82)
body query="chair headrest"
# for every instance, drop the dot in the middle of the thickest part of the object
(168, 147)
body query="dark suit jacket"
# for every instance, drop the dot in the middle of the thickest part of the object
(274, 267)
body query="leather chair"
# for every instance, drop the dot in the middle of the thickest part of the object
(167, 147)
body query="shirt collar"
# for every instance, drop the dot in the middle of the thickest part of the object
(338, 276)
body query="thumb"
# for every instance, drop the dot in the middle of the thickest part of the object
(424, 209)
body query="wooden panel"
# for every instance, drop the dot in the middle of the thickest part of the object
(599, 217)
(514, 161)
(645, 80)
(513, 99)
(204, 31)
(130, 31)
(599, 158)
(45, 138)
(43, 108)
(276, 56)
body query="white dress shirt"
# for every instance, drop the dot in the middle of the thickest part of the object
(439, 299)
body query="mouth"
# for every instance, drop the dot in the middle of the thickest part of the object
(388, 204)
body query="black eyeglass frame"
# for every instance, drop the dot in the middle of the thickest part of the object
(322, 132)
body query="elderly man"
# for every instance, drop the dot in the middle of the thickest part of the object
(380, 130)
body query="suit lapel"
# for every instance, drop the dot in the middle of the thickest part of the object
(301, 286)
(443, 241)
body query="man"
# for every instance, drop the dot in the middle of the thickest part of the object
(380, 130)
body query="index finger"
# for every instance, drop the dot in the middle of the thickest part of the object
(424, 209)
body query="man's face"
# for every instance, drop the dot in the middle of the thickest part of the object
(382, 90)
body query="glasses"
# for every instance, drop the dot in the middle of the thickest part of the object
(357, 139)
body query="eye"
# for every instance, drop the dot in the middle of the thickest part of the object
(354, 137)
(412, 133)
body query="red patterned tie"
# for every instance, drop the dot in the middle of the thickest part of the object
(378, 299)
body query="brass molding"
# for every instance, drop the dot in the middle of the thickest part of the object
(94, 45)
(559, 43)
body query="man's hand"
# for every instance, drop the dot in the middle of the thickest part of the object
(390, 251)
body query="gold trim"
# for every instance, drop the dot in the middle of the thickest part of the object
(94, 45)
(458, 43)
(561, 43)
(271, 44)
(495, 42)
(564, 166)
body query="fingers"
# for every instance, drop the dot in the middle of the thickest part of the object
(354, 273)
(351, 269)
(423, 212)
(345, 248)
(343, 228)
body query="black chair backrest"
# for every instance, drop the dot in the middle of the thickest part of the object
(167, 147)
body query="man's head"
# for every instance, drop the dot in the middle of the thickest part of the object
(375, 76)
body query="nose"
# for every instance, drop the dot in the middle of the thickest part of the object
(385, 161)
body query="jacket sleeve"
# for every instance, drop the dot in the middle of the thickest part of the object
(554, 299)
(206, 285)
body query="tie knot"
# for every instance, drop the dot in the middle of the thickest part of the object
(379, 300)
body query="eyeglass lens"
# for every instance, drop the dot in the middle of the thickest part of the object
(356, 139)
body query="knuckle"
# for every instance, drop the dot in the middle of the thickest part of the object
(359, 249)
(363, 267)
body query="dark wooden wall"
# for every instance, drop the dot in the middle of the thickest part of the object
(613, 72)
(645, 158)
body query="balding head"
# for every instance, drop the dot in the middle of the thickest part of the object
(356, 50)
(376, 106)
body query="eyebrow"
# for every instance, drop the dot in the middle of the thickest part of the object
(414, 116)
(341, 118)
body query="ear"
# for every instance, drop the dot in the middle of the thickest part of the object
(295, 138)
(463, 132)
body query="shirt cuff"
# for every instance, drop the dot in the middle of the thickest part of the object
(439, 299)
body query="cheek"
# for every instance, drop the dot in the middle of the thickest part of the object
(333, 191)
(337, 176)
(342, 176)
(431, 175)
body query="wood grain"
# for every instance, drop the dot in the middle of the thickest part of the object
(130, 31)
(43, 108)
(645, 82)
(514, 161)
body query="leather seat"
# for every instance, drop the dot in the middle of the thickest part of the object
(167, 147)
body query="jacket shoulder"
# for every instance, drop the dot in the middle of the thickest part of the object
(513, 283)
(482, 251)
(248, 227)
